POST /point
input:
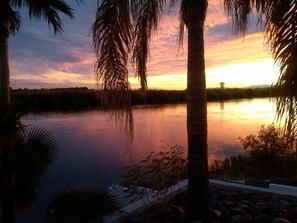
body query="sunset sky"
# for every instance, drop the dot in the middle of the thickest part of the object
(38, 59)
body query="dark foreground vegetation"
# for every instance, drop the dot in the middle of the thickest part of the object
(84, 98)
(267, 157)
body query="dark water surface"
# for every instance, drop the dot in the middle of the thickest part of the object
(93, 150)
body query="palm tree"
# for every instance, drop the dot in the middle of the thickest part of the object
(122, 30)
(278, 19)
(81, 206)
(25, 158)
(10, 23)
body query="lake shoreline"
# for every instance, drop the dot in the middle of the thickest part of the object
(76, 99)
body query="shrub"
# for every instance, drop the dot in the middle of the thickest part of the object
(270, 152)
(158, 171)
(234, 167)
(81, 206)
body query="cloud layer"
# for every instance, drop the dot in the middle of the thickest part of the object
(39, 59)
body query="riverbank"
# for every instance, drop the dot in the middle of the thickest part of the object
(63, 99)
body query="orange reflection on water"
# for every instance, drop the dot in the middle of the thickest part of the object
(231, 120)
(91, 137)
(158, 127)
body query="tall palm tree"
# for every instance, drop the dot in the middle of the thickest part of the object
(25, 157)
(10, 23)
(122, 30)
(278, 19)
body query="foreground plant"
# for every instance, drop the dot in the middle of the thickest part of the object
(25, 158)
(80, 206)
(158, 171)
(269, 153)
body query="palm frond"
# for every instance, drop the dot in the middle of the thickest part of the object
(42, 145)
(281, 30)
(48, 10)
(181, 27)
(278, 20)
(10, 20)
(239, 11)
(80, 2)
(122, 27)
(146, 14)
(282, 36)
(112, 42)
(23, 167)
(15, 22)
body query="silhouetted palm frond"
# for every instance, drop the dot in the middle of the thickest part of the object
(123, 29)
(23, 167)
(278, 20)
(283, 38)
(41, 143)
(48, 10)
(146, 15)
(112, 41)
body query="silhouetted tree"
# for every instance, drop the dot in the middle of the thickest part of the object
(122, 29)
(10, 23)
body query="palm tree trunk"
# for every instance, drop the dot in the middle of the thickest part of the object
(4, 74)
(197, 124)
(9, 210)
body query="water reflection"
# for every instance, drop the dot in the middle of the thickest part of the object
(93, 151)
(222, 105)
(90, 138)
(236, 119)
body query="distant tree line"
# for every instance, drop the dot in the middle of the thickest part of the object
(84, 98)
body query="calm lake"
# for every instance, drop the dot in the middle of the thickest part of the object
(93, 150)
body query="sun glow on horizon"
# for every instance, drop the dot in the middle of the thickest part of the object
(244, 74)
